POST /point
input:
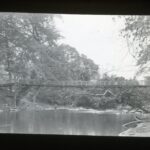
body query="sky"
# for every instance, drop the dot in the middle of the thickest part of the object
(98, 37)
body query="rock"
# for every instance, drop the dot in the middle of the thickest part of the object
(142, 130)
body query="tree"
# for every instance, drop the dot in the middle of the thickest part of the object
(78, 67)
(137, 31)
(25, 41)
(30, 52)
(136, 98)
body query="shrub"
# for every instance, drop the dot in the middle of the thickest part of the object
(136, 98)
(84, 101)
(106, 103)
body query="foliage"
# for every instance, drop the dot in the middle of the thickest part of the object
(32, 48)
(105, 103)
(29, 52)
(136, 98)
(118, 80)
(78, 66)
(137, 31)
(84, 101)
(23, 41)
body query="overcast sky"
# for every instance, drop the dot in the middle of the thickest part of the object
(98, 37)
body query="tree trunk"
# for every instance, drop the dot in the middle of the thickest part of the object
(16, 91)
(8, 65)
(36, 94)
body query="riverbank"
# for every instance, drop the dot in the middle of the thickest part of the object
(40, 106)
(29, 106)
(142, 130)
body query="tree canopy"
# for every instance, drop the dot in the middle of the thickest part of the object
(30, 53)
(137, 31)
(29, 50)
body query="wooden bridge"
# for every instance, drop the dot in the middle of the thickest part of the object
(78, 84)
(18, 90)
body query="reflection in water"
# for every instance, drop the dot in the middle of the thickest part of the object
(62, 122)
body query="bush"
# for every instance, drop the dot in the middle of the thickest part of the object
(105, 103)
(59, 96)
(84, 101)
(137, 98)
(48, 96)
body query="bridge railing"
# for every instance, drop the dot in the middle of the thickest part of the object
(76, 83)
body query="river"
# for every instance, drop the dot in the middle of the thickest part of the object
(63, 121)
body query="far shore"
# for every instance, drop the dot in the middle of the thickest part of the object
(41, 107)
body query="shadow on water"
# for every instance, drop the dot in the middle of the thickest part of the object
(63, 122)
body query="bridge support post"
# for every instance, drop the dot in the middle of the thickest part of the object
(16, 88)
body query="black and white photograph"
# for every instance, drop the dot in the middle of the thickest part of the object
(75, 74)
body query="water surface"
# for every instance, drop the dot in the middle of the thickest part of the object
(63, 122)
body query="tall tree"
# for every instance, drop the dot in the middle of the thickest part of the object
(30, 52)
(25, 40)
(137, 31)
(79, 66)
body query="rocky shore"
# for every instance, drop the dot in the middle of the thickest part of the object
(141, 130)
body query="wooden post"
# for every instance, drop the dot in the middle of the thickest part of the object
(16, 88)
(35, 95)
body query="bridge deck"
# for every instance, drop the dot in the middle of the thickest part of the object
(78, 84)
